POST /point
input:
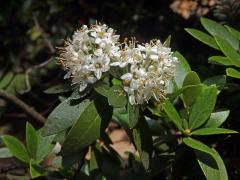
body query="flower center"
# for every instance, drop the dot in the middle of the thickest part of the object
(101, 34)
(126, 82)
(98, 65)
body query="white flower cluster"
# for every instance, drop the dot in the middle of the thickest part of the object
(89, 53)
(92, 51)
(151, 68)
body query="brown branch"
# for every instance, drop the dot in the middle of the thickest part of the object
(26, 108)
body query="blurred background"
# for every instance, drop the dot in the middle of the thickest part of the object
(30, 31)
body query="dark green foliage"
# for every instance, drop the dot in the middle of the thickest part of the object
(166, 134)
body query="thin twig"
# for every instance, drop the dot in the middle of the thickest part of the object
(26, 108)
(44, 35)
(29, 70)
(51, 48)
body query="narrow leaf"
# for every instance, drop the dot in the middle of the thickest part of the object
(233, 73)
(217, 118)
(210, 131)
(216, 29)
(6, 80)
(212, 165)
(234, 32)
(219, 81)
(203, 37)
(16, 148)
(143, 141)
(195, 144)
(221, 166)
(31, 140)
(228, 51)
(167, 42)
(220, 60)
(190, 95)
(133, 115)
(172, 114)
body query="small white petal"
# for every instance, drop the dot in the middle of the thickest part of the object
(127, 76)
(115, 64)
(82, 86)
(98, 73)
(98, 40)
(98, 52)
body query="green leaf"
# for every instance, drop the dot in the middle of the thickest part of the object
(180, 91)
(102, 89)
(58, 89)
(72, 158)
(214, 169)
(63, 116)
(212, 166)
(143, 141)
(210, 131)
(190, 95)
(167, 42)
(217, 118)
(216, 29)
(228, 51)
(16, 148)
(17, 84)
(36, 170)
(219, 80)
(182, 68)
(5, 81)
(172, 114)
(156, 128)
(220, 60)
(117, 97)
(116, 82)
(133, 115)
(221, 166)
(234, 32)
(195, 144)
(93, 162)
(121, 116)
(44, 146)
(105, 162)
(31, 141)
(233, 73)
(203, 107)
(5, 153)
(91, 122)
(203, 37)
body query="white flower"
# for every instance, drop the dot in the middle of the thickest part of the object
(89, 53)
(151, 68)
(99, 65)
(92, 51)
(128, 55)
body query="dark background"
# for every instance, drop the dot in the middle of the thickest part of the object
(30, 31)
